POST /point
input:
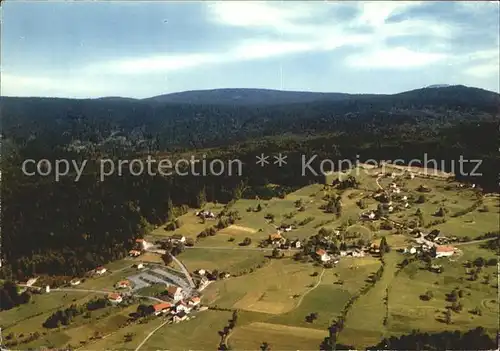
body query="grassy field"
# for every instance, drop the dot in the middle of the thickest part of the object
(200, 333)
(365, 318)
(407, 311)
(223, 260)
(278, 337)
(269, 289)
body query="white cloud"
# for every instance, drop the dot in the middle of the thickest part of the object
(395, 58)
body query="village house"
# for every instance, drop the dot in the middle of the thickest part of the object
(75, 282)
(296, 244)
(368, 215)
(123, 284)
(175, 293)
(322, 255)
(161, 308)
(203, 283)
(141, 243)
(374, 248)
(200, 272)
(134, 253)
(194, 301)
(358, 253)
(343, 253)
(100, 270)
(276, 239)
(205, 214)
(115, 298)
(178, 238)
(437, 268)
(181, 306)
(444, 251)
(285, 228)
(179, 317)
(139, 265)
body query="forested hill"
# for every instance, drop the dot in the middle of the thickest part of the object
(209, 120)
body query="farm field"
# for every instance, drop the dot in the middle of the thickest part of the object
(365, 318)
(200, 333)
(278, 336)
(233, 261)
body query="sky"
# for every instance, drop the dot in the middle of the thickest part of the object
(143, 49)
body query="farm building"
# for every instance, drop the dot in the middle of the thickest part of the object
(322, 255)
(179, 238)
(100, 270)
(444, 251)
(175, 293)
(134, 253)
(123, 284)
(115, 298)
(181, 316)
(139, 265)
(161, 308)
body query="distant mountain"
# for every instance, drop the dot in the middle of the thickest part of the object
(242, 97)
(438, 86)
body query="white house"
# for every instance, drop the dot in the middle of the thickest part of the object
(100, 270)
(175, 293)
(139, 265)
(181, 306)
(404, 198)
(179, 238)
(343, 253)
(201, 271)
(444, 251)
(323, 256)
(371, 215)
(358, 253)
(75, 281)
(47, 289)
(297, 244)
(390, 209)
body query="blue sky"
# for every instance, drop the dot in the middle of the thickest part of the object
(142, 49)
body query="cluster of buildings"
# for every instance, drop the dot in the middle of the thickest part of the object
(206, 214)
(278, 240)
(178, 311)
(323, 256)
(176, 305)
(141, 246)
